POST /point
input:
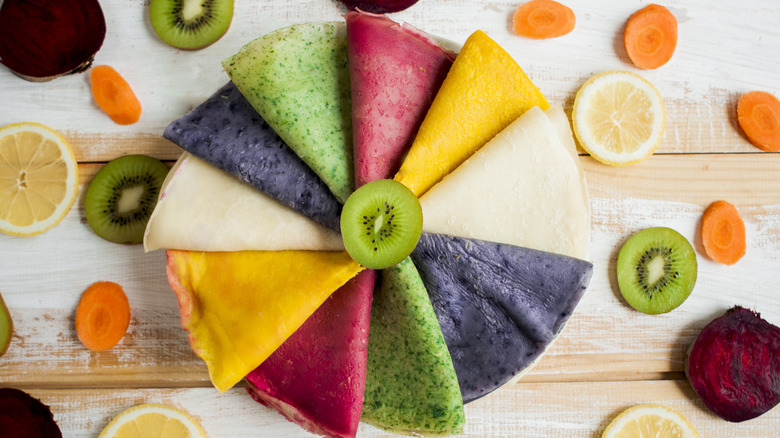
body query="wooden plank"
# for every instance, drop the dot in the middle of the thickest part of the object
(608, 357)
(700, 84)
(605, 339)
(531, 410)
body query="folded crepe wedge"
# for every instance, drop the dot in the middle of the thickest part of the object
(227, 132)
(240, 306)
(525, 187)
(411, 386)
(484, 91)
(316, 379)
(395, 71)
(202, 208)
(297, 78)
(499, 306)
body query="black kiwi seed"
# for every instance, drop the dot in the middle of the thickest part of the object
(656, 270)
(190, 24)
(121, 197)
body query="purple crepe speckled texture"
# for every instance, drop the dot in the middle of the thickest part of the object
(499, 306)
(227, 132)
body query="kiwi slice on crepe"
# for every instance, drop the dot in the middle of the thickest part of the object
(656, 270)
(381, 223)
(190, 24)
(121, 197)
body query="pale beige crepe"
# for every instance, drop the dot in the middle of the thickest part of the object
(525, 187)
(202, 208)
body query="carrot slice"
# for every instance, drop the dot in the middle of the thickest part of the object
(723, 233)
(758, 113)
(114, 95)
(651, 36)
(542, 19)
(102, 316)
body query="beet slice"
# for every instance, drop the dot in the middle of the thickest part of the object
(317, 377)
(43, 39)
(22, 415)
(378, 6)
(395, 72)
(734, 365)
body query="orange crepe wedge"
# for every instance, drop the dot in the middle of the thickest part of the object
(240, 306)
(484, 91)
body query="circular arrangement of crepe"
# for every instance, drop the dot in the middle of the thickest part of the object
(498, 271)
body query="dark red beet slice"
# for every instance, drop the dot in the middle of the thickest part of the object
(22, 416)
(378, 6)
(734, 365)
(43, 39)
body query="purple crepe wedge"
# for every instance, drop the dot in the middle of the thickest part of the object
(227, 132)
(395, 71)
(316, 379)
(499, 306)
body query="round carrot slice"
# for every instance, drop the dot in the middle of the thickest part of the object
(543, 19)
(723, 233)
(758, 113)
(651, 36)
(102, 316)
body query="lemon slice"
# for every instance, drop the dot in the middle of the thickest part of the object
(38, 178)
(650, 421)
(152, 420)
(618, 117)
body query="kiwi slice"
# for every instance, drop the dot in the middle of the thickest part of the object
(190, 24)
(122, 196)
(381, 223)
(656, 270)
(6, 327)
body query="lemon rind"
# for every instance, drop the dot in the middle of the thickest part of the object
(659, 410)
(134, 412)
(582, 131)
(70, 197)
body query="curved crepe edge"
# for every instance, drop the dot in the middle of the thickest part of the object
(172, 228)
(462, 221)
(225, 362)
(329, 173)
(561, 123)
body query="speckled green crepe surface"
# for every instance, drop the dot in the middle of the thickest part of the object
(297, 78)
(411, 384)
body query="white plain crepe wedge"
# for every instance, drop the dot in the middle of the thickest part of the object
(525, 187)
(202, 208)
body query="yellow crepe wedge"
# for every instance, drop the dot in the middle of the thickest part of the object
(240, 306)
(485, 90)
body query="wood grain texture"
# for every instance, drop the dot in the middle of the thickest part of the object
(722, 52)
(608, 356)
(605, 339)
(581, 410)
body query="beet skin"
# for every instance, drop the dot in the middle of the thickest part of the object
(22, 416)
(734, 365)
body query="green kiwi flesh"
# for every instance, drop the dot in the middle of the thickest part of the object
(190, 24)
(381, 223)
(6, 327)
(656, 270)
(121, 197)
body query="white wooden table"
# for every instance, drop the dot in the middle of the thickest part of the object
(609, 357)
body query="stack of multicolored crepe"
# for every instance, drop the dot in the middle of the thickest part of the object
(250, 216)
